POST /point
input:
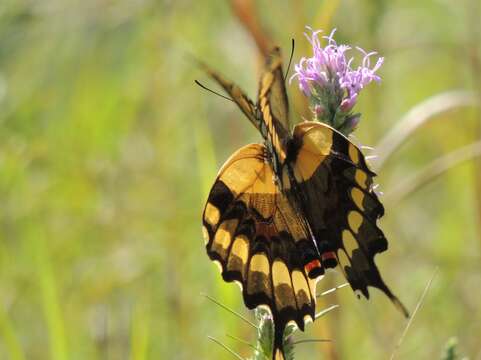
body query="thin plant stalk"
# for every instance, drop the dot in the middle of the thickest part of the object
(416, 309)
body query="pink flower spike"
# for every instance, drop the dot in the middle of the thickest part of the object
(329, 80)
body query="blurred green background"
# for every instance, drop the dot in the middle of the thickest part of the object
(108, 150)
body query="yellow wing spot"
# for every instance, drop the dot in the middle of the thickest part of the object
(238, 255)
(223, 237)
(266, 83)
(316, 139)
(258, 277)
(263, 102)
(308, 319)
(306, 164)
(312, 286)
(358, 197)
(355, 220)
(353, 153)
(282, 284)
(211, 214)
(349, 242)
(260, 263)
(218, 265)
(264, 184)
(239, 284)
(301, 288)
(361, 178)
(280, 273)
(249, 175)
(278, 355)
(267, 117)
(205, 235)
(343, 259)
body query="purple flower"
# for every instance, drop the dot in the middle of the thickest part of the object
(329, 79)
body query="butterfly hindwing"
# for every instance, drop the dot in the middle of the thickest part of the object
(252, 231)
(335, 186)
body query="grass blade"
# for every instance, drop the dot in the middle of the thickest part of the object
(432, 171)
(236, 355)
(140, 333)
(410, 321)
(418, 116)
(330, 291)
(231, 311)
(325, 311)
(305, 341)
(241, 341)
(9, 336)
(49, 296)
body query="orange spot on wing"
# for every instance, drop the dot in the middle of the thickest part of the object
(312, 265)
(328, 255)
(329, 259)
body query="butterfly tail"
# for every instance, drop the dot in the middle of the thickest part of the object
(278, 349)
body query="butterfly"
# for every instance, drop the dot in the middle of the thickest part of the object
(281, 212)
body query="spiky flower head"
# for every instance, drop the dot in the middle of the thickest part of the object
(265, 337)
(331, 83)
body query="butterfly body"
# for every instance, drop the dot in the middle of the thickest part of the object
(281, 212)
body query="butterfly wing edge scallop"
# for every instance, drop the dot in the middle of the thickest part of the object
(327, 158)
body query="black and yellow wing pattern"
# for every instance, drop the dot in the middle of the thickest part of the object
(260, 241)
(335, 187)
(282, 212)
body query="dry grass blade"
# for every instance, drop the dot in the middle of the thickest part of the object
(311, 341)
(236, 355)
(433, 171)
(230, 310)
(418, 116)
(325, 311)
(330, 291)
(418, 306)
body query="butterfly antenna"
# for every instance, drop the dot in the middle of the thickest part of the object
(290, 59)
(212, 91)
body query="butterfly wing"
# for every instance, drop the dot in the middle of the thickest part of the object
(274, 108)
(259, 241)
(335, 185)
(236, 94)
(272, 89)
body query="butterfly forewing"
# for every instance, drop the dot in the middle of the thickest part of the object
(272, 87)
(274, 109)
(258, 239)
(237, 95)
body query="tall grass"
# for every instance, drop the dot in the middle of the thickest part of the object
(107, 151)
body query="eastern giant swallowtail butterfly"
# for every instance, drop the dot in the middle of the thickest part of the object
(281, 212)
